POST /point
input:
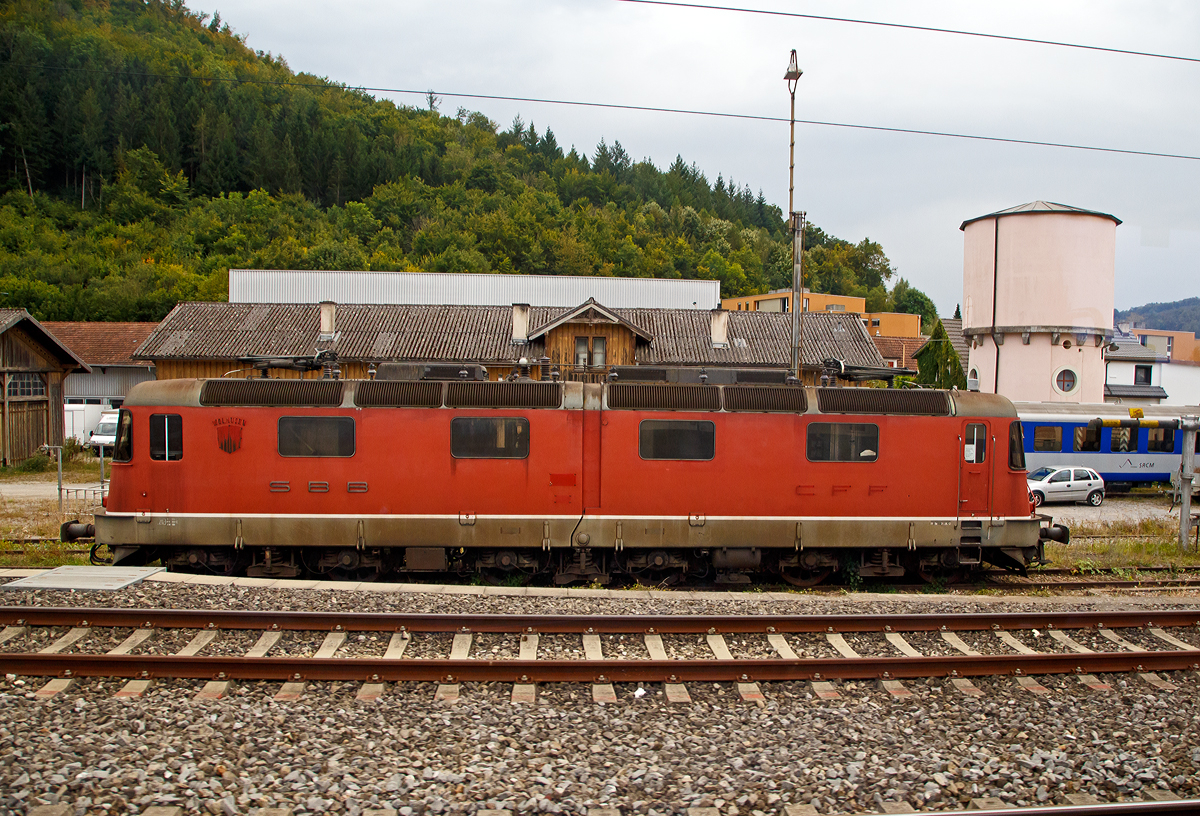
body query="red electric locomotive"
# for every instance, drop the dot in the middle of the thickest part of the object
(512, 479)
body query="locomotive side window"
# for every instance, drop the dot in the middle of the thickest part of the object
(1161, 440)
(316, 436)
(677, 439)
(843, 442)
(123, 449)
(1087, 439)
(1047, 438)
(1016, 447)
(489, 438)
(166, 437)
(1123, 440)
(975, 444)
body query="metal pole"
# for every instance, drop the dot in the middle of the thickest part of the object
(101, 470)
(60, 499)
(794, 222)
(1189, 425)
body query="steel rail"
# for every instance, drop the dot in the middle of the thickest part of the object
(622, 671)
(586, 624)
(1148, 808)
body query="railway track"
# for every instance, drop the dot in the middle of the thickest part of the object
(813, 649)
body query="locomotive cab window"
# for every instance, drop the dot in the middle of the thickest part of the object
(316, 436)
(1047, 438)
(975, 443)
(166, 437)
(1016, 447)
(123, 447)
(677, 439)
(489, 438)
(843, 442)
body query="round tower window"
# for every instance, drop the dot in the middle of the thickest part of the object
(1065, 380)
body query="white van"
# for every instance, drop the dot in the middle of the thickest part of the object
(105, 434)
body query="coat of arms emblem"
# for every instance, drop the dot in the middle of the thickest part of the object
(229, 433)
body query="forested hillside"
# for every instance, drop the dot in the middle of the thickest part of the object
(146, 149)
(1179, 315)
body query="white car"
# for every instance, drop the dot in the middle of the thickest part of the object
(105, 434)
(1066, 484)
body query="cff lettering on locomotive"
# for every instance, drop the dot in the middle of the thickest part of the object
(720, 478)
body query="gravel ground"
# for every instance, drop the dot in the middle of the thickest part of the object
(328, 753)
(1115, 508)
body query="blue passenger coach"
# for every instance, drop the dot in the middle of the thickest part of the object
(1057, 434)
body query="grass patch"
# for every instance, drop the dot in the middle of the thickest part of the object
(1116, 555)
(21, 521)
(83, 468)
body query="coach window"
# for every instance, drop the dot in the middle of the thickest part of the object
(843, 442)
(1087, 439)
(975, 444)
(677, 439)
(316, 436)
(1160, 440)
(1124, 440)
(1047, 438)
(166, 437)
(489, 438)
(123, 449)
(1016, 446)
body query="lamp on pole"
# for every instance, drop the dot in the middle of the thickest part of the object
(796, 224)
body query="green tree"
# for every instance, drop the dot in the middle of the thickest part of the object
(908, 299)
(937, 362)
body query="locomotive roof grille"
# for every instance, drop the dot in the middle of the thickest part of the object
(765, 398)
(883, 401)
(503, 395)
(398, 394)
(665, 397)
(262, 393)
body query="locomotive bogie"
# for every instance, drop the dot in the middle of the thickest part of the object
(572, 481)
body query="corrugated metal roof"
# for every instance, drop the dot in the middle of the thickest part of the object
(434, 289)
(1035, 207)
(102, 344)
(483, 334)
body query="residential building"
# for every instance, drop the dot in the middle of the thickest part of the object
(241, 339)
(1133, 372)
(106, 348)
(878, 324)
(1174, 345)
(33, 365)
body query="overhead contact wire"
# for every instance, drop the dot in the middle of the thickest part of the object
(643, 108)
(911, 27)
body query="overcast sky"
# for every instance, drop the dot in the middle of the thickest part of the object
(910, 193)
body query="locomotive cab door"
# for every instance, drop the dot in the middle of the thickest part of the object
(974, 480)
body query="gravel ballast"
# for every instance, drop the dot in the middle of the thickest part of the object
(330, 753)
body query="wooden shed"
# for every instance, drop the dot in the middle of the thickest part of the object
(33, 364)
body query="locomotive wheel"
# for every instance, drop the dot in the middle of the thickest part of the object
(502, 577)
(942, 575)
(353, 574)
(798, 576)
